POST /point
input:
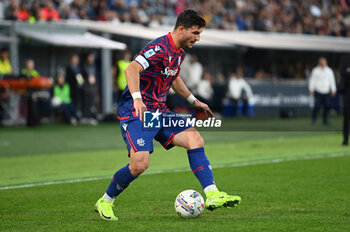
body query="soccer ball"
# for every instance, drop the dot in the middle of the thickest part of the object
(189, 204)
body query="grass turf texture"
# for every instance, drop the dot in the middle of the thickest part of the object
(304, 195)
(307, 195)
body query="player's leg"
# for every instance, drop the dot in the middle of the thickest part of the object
(139, 162)
(191, 140)
(139, 145)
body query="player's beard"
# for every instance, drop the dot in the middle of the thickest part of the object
(188, 42)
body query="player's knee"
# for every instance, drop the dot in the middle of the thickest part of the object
(195, 141)
(138, 168)
(199, 141)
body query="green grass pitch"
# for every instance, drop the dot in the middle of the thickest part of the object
(288, 181)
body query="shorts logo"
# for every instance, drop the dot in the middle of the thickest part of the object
(125, 126)
(141, 142)
(149, 53)
(151, 119)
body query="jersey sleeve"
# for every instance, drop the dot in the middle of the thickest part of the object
(151, 55)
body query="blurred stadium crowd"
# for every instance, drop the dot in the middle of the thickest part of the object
(76, 94)
(321, 17)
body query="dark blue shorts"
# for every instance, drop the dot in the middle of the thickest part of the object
(140, 138)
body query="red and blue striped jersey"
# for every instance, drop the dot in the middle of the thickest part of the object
(161, 61)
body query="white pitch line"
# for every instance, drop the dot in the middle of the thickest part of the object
(249, 163)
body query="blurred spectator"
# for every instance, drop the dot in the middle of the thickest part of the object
(35, 11)
(61, 98)
(29, 70)
(191, 72)
(6, 102)
(93, 10)
(78, 9)
(5, 64)
(23, 13)
(143, 12)
(239, 91)
(299, 71)
(261, 74)
(75, 79)
(120, 7)
(321, 87)
(65, 12)
(205, 88)
(121, 65)
(302, 17)
(90, 89)
(11, 10)
(29, 98)
(219, 88)
(134, 13)
(48, 12)
(2, 10)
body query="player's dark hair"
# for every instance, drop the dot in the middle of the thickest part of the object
(189, 18)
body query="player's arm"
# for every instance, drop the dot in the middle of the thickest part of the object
(180, 88)
(132, 74)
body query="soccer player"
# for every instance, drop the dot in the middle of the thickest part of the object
(150, 76)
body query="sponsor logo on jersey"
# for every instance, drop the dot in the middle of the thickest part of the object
(149, 53)
(169, 72)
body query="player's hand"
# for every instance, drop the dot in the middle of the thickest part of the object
(200, 105)
(139, 108)
(333, 94)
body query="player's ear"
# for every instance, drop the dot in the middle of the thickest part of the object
(181, 29)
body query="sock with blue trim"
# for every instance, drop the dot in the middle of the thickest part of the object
(120, 181)
(201, 168)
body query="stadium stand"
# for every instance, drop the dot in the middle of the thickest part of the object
(319, 17)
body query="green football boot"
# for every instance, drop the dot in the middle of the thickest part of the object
(217, 199)
(105, 209)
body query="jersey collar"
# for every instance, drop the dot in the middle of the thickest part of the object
(172, 41)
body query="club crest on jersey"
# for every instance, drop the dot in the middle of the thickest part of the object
(149, 53)
(169, 72)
